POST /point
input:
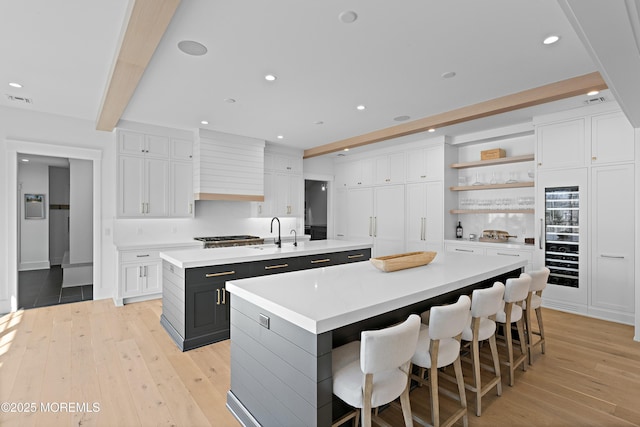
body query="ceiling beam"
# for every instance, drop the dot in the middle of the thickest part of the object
(552, 92)
(145, 24)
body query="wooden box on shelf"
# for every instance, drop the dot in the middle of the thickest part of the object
(402, 261)
(495, 153)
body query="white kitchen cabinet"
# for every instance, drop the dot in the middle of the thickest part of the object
(464, 248)
(287, 164)
(266, 208)
(389, 169)
(341, 174)
(181, 149)
(181, 190)
(288, 194)
(424, 211)
(425, 164)
(141, 144)
(340, 214)
(143, 187)
(612, 139)
(375, 214)
(612, 241)
(561, 145)
(359, 173)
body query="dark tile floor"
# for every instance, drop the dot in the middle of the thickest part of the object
(40, 288)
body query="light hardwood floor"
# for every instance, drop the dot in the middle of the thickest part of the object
(121, 359)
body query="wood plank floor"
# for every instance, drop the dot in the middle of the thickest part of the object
(119, 363)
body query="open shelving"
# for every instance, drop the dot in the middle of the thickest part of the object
(500, 161)
(493, 186)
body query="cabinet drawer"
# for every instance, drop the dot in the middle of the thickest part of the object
(354, 256)
(465, 249)
(140, 256)
(514, 253)
(274, 266)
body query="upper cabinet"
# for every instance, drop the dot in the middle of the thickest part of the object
(360, 173)
(155, 177)
(389, 169)
(283, 183)
(593, 139)
(612, 139)
(425, 164)
(561, 145)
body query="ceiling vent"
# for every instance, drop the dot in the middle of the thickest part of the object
(19, 99)
(598, 100)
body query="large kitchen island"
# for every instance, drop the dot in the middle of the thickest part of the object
(283, 327)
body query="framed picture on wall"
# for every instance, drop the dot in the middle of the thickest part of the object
(34, 206)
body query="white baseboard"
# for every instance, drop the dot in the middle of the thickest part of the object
(590, 311)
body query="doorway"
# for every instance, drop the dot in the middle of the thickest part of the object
(46, 275)
(13, 147)
(316, 209)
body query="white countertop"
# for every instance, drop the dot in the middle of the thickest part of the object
(159, 245)
(323, 299)
(190, 258)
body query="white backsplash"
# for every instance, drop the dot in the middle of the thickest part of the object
(213, 218)
(521, 225)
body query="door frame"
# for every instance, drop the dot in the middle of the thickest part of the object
(13, 147)
(330, 194)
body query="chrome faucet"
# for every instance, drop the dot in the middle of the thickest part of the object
(279, 241)
(295, 237)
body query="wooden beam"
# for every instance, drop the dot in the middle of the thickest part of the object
(233, 197)
(146, 22)
(528, 98)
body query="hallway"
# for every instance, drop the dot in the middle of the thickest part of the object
(41, 288)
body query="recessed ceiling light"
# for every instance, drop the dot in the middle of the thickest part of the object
(551, 40)
(270, 77)
(593, 93)
(431, 130)
(229, 100)
(204, 122)
(401, 118)
(448, 74)
(346, 149)
(360, 107)
(191, 47)
(319, 122)
(14, 84)
(280, 136)
(348, 17)
(25, 160)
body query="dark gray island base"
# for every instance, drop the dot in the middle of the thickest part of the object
(281, 371)
(196, 305)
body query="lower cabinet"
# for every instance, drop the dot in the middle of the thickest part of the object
(196, 306)
(493, 249)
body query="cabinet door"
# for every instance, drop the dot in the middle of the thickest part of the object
(388, 220)
(131, 186)
(561, 145)
(131, 279)
(266, 208)
(341, 174)
(157, 187)
(360, 214)
(360, 173)
(157, 146)
(416, 207)
(181, 149)
(152, 278)
(288, 189)
(416, 165)
(340, 218)
(425, 164)
(612, 139)
(131, 142)
(434, 216)
(181, 200)
(389, 169)
(612, 232)
(296, 195)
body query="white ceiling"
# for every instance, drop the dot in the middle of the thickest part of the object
(390, 59)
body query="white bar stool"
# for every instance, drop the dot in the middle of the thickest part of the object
(534, 302)
(439, 346)
(516, 291)
(375, 371)
(485, 303)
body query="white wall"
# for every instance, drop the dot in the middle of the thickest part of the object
(52, 135)
(33, 178)
(81, 212)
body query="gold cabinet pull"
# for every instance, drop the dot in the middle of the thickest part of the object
(224, 296)
(271, 267)
(218, 296)
(224, 273)
(354, 256)
(317, 261)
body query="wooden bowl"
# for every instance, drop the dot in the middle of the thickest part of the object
(403, 261)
